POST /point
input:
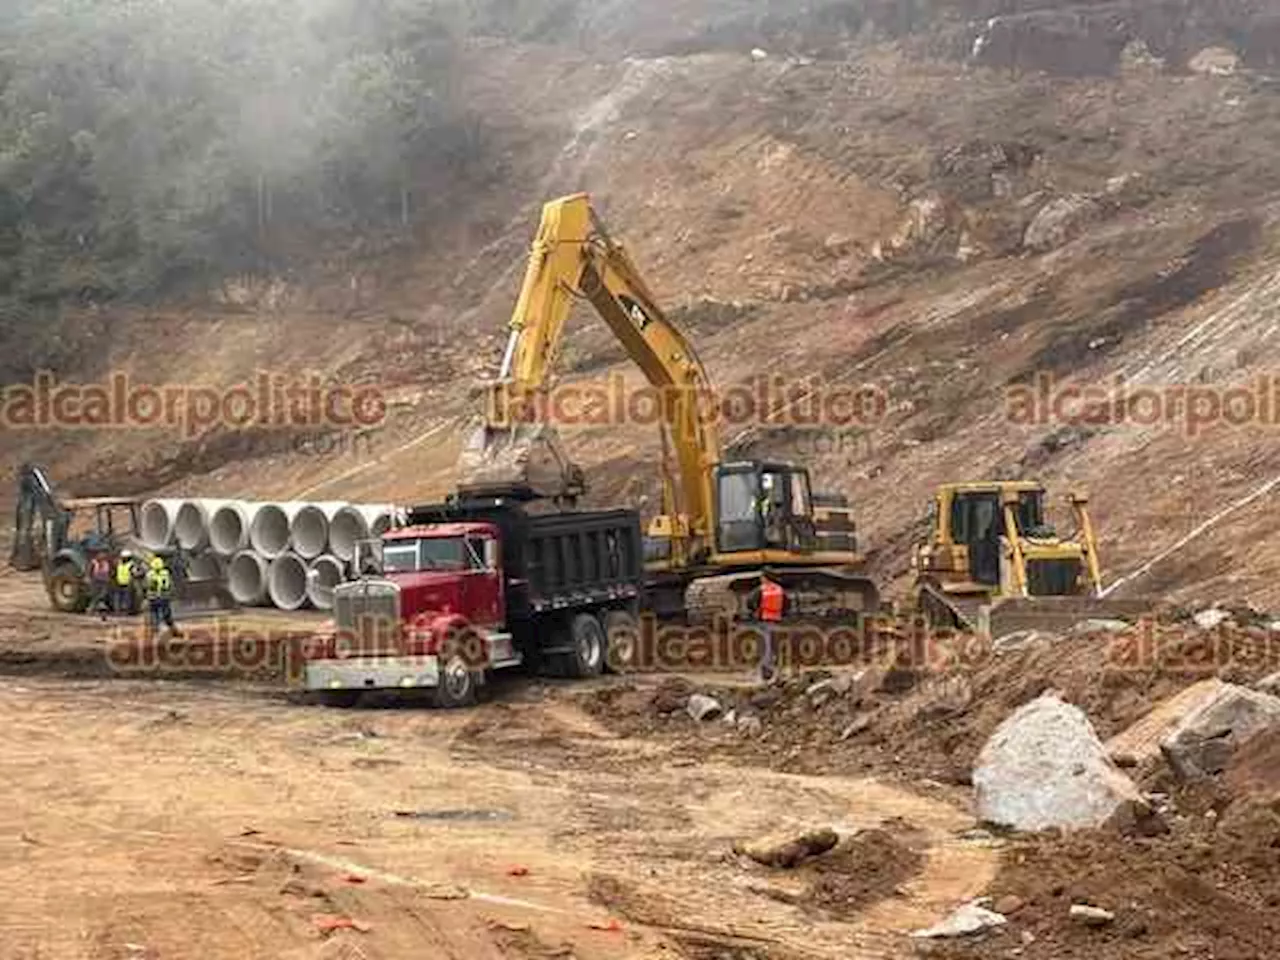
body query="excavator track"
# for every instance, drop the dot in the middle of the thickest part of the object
(815, 594)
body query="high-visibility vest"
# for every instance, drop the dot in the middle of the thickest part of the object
(124, 573)
(772, 601)
(159, 584)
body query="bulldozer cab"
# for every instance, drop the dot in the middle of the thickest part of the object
(763, 506)
(977, 522)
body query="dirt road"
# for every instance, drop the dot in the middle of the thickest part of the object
(159, 819)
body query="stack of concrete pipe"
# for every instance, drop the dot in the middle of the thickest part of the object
(288, 555)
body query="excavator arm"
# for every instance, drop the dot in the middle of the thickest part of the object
(573, 257)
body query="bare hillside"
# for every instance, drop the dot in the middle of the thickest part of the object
(965, 207)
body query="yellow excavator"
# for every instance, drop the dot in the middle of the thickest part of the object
(722, 522)
(993, 565)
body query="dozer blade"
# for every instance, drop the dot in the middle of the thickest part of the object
(1002, 617)
(522, 460)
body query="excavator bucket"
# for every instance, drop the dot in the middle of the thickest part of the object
(521, 460)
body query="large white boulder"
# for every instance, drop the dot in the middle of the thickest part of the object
(1045, 767)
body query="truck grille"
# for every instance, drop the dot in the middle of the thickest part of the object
(1053, 578)
(367, 615)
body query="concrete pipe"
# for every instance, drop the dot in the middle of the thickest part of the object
(205, 566)
(309, 531)
(191, 528)
(229, 527)
(287, 582)
(157, 522)
(324, 574)
(354, 523)
(247, 579)
(269, 528)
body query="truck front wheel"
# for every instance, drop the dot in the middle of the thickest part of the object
(587, 636)
(457, 684)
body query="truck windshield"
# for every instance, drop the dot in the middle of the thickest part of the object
(428, 553)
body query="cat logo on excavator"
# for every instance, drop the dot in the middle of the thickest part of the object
(639, 316)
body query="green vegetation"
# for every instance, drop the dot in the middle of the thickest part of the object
(146, 144)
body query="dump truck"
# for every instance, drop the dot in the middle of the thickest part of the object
(479, 584)
(993, 564)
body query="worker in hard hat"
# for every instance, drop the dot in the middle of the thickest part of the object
(122, 584)
(159, 587)
(100, 584)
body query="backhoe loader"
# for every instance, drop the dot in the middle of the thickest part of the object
(721, 522)
(993, 565)
(57, 536)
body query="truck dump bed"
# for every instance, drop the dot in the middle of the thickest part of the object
(554, 560)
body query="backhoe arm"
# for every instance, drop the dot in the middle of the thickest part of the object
(37, 503)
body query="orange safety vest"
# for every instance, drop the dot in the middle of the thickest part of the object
(772, 600)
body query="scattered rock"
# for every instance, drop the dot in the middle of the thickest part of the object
(1059, 220)
(860, 723)
(1136, 57)
(703, 708)
(1099, 626)
(1008, 905)
(1207, 737)
(1140, 743)
(788, 851)
(1214, 62)
(968, 920)
(757, 54)
(1020, 640)
(1210, 618)
(749, 725)
(1045, 767)
(671, 695)
(1269, 684)
(1091, 916)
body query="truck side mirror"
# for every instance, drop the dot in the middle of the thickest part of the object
(490, 553)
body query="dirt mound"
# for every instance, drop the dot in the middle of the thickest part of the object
(1205, 889)
(816, 722)
(868, 867)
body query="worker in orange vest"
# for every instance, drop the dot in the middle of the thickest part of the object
(768, 605)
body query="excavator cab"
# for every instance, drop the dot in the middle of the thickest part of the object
(763, 506)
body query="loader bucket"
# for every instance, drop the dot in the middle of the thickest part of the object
(524, 460)
(197, 598)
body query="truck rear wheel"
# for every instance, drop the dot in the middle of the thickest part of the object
(457, 684)
(623, 634)
(588, 646)
(67, 589)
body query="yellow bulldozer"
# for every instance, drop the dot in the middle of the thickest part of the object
(993, 564)
(722, 521)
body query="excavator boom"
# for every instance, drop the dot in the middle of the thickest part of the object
(573, 257)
